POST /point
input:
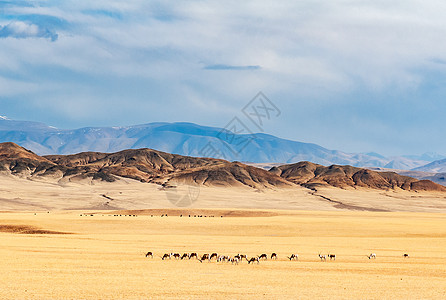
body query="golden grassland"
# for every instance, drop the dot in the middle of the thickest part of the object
(103, 257)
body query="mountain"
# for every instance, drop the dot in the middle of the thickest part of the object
(429, 156)
(169, 170)
(438, 166)
(186, 139)
(311, 175)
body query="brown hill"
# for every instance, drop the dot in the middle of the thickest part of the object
(145, 165)
(20, 161)
(310, 175)
(230, 174)
(166, 169)
(148, 165)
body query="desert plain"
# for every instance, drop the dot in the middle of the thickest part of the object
(71, 242)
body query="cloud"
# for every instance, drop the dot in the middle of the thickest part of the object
(23, 30)
(229, 67)
(104, 13)
(330, 58)
(438, 61)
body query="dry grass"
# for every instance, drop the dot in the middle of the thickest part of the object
(105, 258)
(23, 229)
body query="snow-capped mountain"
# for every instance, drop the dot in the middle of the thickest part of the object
(186, 139)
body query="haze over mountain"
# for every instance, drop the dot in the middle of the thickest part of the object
(192, 140)
(438, 166)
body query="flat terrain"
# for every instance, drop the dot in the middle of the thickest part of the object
(103, 256)
(19, 194)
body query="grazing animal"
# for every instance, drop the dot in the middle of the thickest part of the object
(372, 255)
(185, 255)
(273, 256)
(405, 255)
(322, 257)
(165, 256)
(204, 256)
(149, 254)
(263, 256)
(234, 260)
(213, 255)
(293, 256)
(222, 258)
(242, 256)
(253, 259)
(193, 254)
(332, 256)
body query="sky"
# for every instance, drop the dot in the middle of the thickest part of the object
(357, 76)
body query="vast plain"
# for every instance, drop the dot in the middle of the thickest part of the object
(67, 255)
(87, 239)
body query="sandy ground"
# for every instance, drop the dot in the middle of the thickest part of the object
(24, 194)
(87, 240)
(104, 258)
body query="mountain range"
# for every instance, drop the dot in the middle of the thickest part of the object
(169, 170)
(191, 140)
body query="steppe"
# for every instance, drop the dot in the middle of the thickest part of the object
(72, 242)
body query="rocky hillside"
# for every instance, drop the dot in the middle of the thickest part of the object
(167, 170)
(310, 174)
(145, 165)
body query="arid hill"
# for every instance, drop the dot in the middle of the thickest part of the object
(18, 160)
(145, 165)
(309, 174)
(167, 170)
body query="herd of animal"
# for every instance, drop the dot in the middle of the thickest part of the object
(236, 259)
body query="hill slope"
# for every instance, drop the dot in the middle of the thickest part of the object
(147, 165)
(310, 175)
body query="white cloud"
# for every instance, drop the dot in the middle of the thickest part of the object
(316, 51)
(22, 30)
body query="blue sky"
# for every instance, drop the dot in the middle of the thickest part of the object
(357, 76)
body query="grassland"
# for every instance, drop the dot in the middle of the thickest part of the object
(103, 257)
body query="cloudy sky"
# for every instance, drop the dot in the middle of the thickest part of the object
(358, 76)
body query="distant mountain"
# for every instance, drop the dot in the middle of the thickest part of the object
(170, 170)
(438, 166)
(429, 156)
(186, 139)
